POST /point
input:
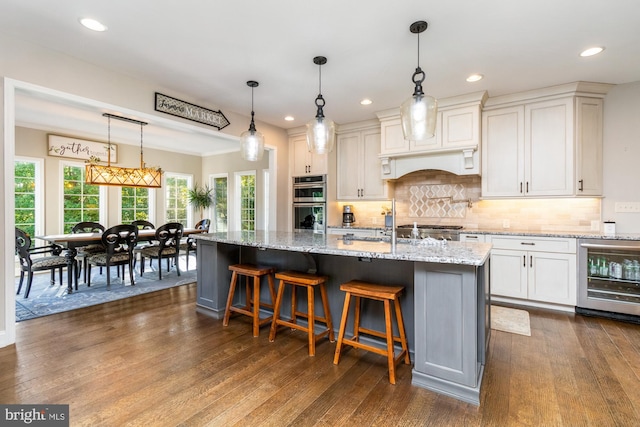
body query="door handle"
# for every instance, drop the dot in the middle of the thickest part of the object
(530, 260)
(524, 260)
(581, 187)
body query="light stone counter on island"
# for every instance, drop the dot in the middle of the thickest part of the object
(445, 303)
(313, 243)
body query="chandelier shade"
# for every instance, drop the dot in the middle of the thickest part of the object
(252, 141)
(123, 177)
(418, 113)
(148, 177)
(321, 131)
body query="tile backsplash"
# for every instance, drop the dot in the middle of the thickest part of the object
(436, 197)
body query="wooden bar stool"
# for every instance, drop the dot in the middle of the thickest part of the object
(309, 281)
(385, 294)
(252, 306)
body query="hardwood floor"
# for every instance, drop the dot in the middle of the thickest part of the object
(152, 360)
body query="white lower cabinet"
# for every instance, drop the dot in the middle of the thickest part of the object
(534, 269)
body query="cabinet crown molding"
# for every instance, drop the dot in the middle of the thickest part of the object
(588, 89)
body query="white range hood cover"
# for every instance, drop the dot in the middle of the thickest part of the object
(459, 161)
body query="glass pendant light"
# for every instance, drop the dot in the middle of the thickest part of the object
(321, 131)
(418, 113)
(252, 141)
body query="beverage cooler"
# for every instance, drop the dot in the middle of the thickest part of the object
(609, 278)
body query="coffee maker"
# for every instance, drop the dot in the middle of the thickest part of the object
(348, 218)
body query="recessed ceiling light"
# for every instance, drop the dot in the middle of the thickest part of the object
(289, 118)
(366, 101)
(92, 24)
(592, 51)
(474, 78)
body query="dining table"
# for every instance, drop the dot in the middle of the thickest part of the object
(72, 241)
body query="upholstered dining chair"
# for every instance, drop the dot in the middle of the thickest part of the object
(86, 251)
(142, 225)
(39, 263)
(119, 242)
(168, 237)
(190, 243)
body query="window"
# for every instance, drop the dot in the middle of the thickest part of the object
(28, 189)
(177, 202)
(136, 204)
(81, 201)
(220, 196)
(246, 196)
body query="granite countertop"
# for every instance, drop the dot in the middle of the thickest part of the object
(531, 233)
(555, 233)
(449, 253)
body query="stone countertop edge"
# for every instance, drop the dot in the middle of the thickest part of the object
(474, 254)
(531, 233)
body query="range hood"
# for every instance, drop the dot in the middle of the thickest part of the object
(459, 161)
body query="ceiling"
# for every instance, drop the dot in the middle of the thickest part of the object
(206, 51)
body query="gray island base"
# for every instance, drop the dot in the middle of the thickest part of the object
(445, 304)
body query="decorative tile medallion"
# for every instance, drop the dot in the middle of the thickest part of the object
(438, 201)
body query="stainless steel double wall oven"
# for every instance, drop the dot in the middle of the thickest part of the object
(310, 203)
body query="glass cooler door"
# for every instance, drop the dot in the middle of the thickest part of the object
(612, 278)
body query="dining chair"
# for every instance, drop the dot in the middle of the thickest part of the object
(38, 263)
(168, 237)
(142, 225)
(119, 242)
(86, 251)
(190, 243)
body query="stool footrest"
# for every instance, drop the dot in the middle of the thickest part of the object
(281, 322)
(378, 334)
(250, 314)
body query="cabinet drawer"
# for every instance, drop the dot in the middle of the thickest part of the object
(538, 244)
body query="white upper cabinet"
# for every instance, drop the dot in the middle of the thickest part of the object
(305, 162)
(358, 164)
(542, 143)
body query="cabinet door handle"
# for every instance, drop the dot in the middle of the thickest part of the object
(524, 260)
(520, 187)
(471, 237)
(528, 243)
(530, 260)
(527, 186)
(581, 187)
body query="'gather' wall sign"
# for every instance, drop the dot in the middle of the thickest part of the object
(186, 110)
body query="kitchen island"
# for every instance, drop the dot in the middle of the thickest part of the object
(445, 303)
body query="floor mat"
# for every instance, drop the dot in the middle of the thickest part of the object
(510, 320)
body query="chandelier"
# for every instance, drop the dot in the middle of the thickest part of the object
(143, 176)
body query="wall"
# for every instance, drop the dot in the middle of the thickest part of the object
(33, 143)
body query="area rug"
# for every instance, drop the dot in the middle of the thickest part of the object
(45, 299)
(510, 320)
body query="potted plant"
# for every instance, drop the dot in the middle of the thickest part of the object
(200, 197)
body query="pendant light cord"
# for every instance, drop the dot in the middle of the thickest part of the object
(141, 161)
(109, 141)
(320, 79)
